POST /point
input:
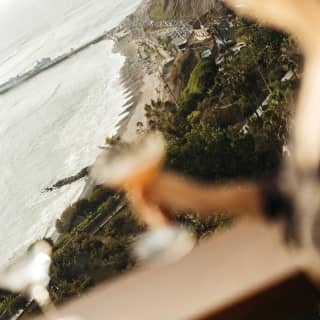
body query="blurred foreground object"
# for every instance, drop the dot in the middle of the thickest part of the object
(247, 273)
(164, 244)
(30, 276)
(155, 194)
(134, 169)
(300, 178)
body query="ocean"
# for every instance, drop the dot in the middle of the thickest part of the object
(51, 126)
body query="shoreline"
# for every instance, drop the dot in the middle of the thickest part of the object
(133, 82)
(140, 84)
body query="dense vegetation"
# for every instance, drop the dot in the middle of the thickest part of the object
(87, 255)
(214, 133)
(231, 120)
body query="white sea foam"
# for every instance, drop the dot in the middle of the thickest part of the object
(51, 126)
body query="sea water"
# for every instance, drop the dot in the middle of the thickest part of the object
(51, 126)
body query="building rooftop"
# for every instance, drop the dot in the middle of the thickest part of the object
(201, 34)
(206, 54)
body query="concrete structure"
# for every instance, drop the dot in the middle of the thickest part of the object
(122, 34)
(181, 44)
(200, 35)
(236, 48)
(201, 39)
(206, 54)
(288, 76)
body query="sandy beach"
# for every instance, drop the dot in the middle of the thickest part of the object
(142, 87)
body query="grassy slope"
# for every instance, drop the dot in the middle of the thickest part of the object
(201, 76)
(157, 11)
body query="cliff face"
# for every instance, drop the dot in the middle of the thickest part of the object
(180, 8)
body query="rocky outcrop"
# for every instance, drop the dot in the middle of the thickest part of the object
(69, 180)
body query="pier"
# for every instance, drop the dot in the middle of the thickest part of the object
(48, 63)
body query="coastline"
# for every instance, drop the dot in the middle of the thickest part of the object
(139, 86)
(133, 81)
(140, 83)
